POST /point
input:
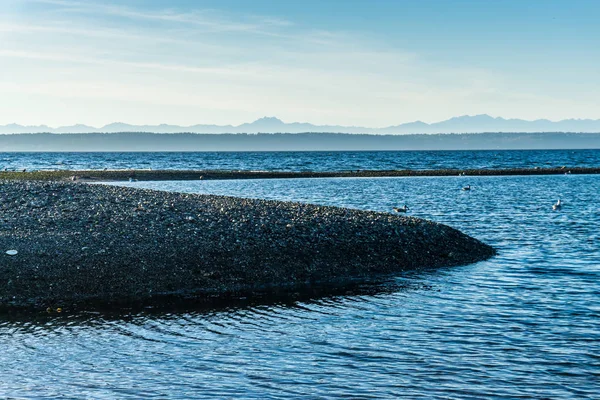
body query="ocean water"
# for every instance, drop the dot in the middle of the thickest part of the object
(303, 161)
(524, 324)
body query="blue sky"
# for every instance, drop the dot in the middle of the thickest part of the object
(370, 63)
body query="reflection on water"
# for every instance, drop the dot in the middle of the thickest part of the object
(525, 323)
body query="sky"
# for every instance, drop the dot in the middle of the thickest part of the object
(367, 63)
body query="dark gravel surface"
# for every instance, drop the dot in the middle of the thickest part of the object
(96, 246)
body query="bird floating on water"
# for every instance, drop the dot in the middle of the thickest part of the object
(557, 206)
(402, 209)
(468, 187)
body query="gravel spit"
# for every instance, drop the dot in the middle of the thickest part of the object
(73, 245)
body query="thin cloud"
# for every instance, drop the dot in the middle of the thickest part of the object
(99, 32)
(68, 58)
(208, 19)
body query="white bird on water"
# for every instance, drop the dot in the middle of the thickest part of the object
(402, 209)
(468, 187)
(557, 206)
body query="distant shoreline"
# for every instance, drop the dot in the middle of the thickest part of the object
(186, 142)
(176, 175)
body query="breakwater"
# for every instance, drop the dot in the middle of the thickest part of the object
(164, 175)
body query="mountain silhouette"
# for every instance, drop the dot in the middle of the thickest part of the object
(461, 124)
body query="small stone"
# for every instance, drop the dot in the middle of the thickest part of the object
(12, 252)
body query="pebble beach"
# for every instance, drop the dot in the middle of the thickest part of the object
(72, 245)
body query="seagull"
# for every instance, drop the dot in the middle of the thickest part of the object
(468, 187)
(557, 206)
(402, 209)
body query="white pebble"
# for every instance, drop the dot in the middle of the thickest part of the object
(12, 252)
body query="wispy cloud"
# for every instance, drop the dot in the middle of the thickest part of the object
(69, 29)
(69, 58)
(208, 19)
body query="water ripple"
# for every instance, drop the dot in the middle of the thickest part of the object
(525, 324)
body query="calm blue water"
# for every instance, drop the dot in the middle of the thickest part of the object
(525, 324)
(304, 161)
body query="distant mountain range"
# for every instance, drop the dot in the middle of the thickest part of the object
(463, 124)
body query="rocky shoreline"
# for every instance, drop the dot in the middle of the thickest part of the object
(163, 175)
(71, 245)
